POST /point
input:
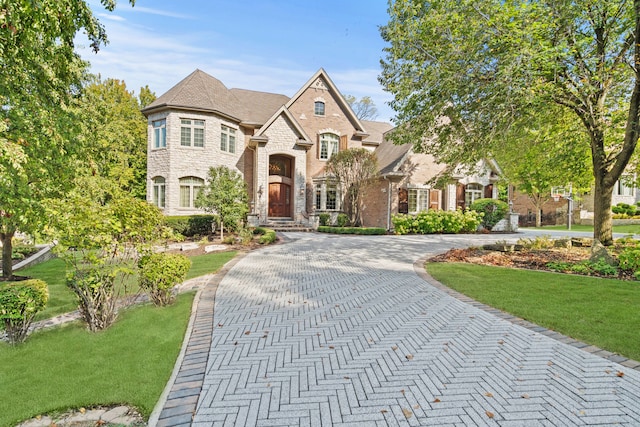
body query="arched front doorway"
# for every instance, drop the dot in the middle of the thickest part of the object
(280, 185)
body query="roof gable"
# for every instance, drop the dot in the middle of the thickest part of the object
(319, 78)
(303, 138)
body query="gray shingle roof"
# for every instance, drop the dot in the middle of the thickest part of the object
(199, 90)
(391, 156)
(376, 131)
(259, 106)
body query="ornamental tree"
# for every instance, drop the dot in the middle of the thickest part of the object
(101, 232)
(225, 195)
(355, 169)
(468, 72)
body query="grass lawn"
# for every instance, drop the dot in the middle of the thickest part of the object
(62, 300)
(69, 367)
(624, 229)
(602, 312)
(208, 263)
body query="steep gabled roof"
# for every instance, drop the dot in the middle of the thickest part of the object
(200, 91)
(332, 87)
(259, 106)
(303, 138)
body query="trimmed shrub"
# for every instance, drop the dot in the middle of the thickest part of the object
(268, 236)
(342, 220)
(159, 273)
(494, 210)
(432, 222)
(353, 230)
(19, 303)
(189, 226)
(324, 219)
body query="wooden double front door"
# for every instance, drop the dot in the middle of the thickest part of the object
(279, 200)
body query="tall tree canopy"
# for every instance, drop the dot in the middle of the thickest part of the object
(40, 74)
(115, 133)
(470, 72)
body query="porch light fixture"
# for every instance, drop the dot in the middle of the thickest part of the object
(260, 192)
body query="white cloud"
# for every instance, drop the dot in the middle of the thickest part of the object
(141, 56)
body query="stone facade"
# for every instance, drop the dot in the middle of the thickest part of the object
(278, 152)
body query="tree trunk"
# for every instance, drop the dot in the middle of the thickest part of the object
(221, 230)
(602, 216)
(7, 250)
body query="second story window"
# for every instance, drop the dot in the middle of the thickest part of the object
(329, 145)
(228, 139)
(159, 133)
(192, 133)
(318, 109)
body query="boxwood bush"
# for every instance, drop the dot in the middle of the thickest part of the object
(192, 225)
(432, 222)
(19, 303)
(353, 230)
(267, 235)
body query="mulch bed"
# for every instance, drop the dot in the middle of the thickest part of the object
(525, 259)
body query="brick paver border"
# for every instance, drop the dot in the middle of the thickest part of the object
(180, 397)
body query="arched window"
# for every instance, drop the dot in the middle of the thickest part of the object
(329, 145)
(190, 187)
(318, 108)
(472, 192)
(159, 191)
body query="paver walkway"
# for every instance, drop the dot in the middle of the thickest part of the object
(340, 330)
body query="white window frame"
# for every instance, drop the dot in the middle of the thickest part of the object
(159, 192)
(319, 108)
(473, 194)
(190, 186)
(192, 133)
(624, 187)
(159, 133)
(227, 139)
(329, 145)
(417, 199)
(323, 190)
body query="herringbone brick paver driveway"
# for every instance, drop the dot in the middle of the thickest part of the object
(332, 330)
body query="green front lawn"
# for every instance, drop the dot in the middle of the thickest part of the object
(602, 312)
(69, 367)
(62, 300)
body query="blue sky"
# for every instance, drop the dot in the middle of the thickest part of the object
(265, 45)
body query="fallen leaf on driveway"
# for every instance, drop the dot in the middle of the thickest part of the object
(407, 412)
(489, 414)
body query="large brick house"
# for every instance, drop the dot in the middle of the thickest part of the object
(280, 145)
